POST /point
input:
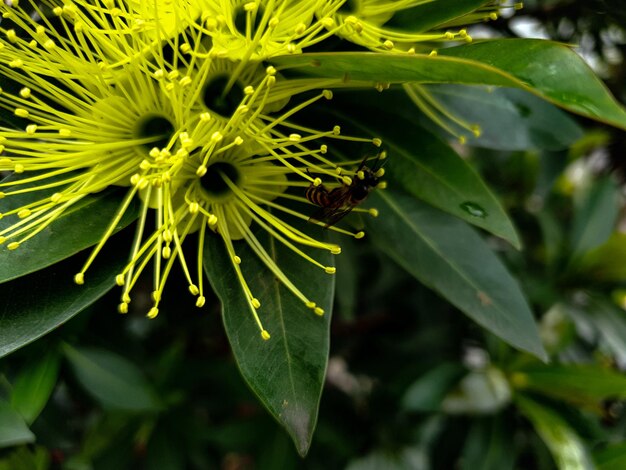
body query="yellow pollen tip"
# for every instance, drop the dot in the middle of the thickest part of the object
(194, 208)
(380, 173)
(119, 280)
(126, 298)
(122, 307)
(212, 220)
(201, 171)
(310, 304)
(265, 335)
(330, 270)
(22, 214)
(382, 185)
(337, 130)
(25, 93)
(377, 142)
(335, 250)
(194, 289)
(56, 197)
(154, 311)
(327, 94)
(361, 174)
(19, 168)
(236, 259)
(255, 303)
(13, 246)
(318, 311)
(347, 180)
(200, 301)
(359, 235)
(317, 182)
(79, 279)
(388, 44)
(373, 212)
(270, 70)
(166, 252)
(2, 240)
(295, 137)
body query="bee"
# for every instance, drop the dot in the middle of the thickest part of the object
(336, 203)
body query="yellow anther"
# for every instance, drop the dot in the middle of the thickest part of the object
(250, 6)
(432, 53)
(205, 117)
(212, 220)
(200, 301)
(327, 94)
(337, 130)
(79, 279)
(153, 312)
(185, 48)
(373, 212)
(122, 307)
(166, 252)
(145, 165)
(382, 185)
(173, 75)
(265, 335)
(22, 214)
(158, 74)
(377, 142)
(295, 137)
(388, 44)
(310, 304)
(119, 280)
(201, 171)
(65, 132)
(2, 239)
(31, 129)
(335, 250)
(21, 112)
(194, 207)
(249, 90)
(25, 93)
(19, 168)
(273, 23)
(323, 148)
(380, 173)
(328, 22)
(217, 136)
(359, 235)
(126, 298)
(330, 270)
(360, 175)
(185, 81)
(317, 182)
(318, 311)
(346, 180)
(255, 303)
(156, 296)
(16, 63)
(194, 289)
(13, 246)
(236, 259)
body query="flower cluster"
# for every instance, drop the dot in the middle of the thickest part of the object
(175, 100)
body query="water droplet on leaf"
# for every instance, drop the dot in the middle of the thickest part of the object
(474, 209)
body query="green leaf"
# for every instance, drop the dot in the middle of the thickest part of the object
(34, 385)
(550, 70)
(79, 227)
(428, 391)
(13, 429)
(489, 445)
(567, 448)
(409, 458)
(611, 458)
(509, 119)
(429, 169)
(607, 262)
(287, 371)
(595, 216)
(581, 385)
(111, 379)
(429, 15)
(24, 317)
(448, 256)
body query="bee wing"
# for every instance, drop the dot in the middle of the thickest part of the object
(338, 207)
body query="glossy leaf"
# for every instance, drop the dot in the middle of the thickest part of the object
(580, 384)
(77, 228)
(429, 15)
(489, 445)
(428, 391)
(547, 69)
(40, 302)
(287, 371)
(611, 458)
(111, 379)
(446, 255)
(595, 216)
(13, 429)
(509, 119)
(567, 448)
(34, 385)
(427, 168)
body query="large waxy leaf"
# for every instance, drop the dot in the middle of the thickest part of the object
(40, 302)
(287, 371)
(13, 429)
(429, 169)
(429, 15)
(80, 226)
(547, 69)
(567, 448)
(111, 379)
(34, 385)
(448, 256)
(611, 458)
(509, 119)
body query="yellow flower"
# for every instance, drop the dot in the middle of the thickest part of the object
(143, 95)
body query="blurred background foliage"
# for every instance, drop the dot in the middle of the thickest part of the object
(412, 383)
